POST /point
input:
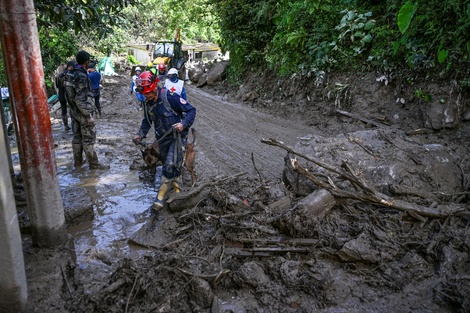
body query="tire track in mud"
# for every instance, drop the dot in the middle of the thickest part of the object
(229, 133)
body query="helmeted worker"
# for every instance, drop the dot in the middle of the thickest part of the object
(81, 102)
(175, 85)
(171, 117)
(151, 67)
(140, 97)
(162, 72)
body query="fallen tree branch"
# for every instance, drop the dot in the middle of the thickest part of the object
(363, 119)
(178, 202)
(371, 195)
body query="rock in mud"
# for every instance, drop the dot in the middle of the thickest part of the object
(202, 293)
(251, 273)
(78, 205)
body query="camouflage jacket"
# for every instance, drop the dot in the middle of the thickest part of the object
(78, 92)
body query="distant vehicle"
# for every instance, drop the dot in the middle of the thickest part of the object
(170, 53)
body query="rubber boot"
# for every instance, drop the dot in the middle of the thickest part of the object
(175, 183)
(93, 158)
(66, 123)
(77, 155)
(158, 204)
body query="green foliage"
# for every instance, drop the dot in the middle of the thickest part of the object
(97, 16)
(57, 47)
(246, 29)
(132, 59)
(311, 36)
(405, 15)
(355, 33)
(423, 95)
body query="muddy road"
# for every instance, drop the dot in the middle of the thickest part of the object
(234, 250)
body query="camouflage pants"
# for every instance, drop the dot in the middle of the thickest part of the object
(83, 133)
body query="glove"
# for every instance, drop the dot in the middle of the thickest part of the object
(91, 121)
(132, 92)
(136, 139)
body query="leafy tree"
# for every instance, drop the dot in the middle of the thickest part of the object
(246, 27)
(82, 16)
(58, 21)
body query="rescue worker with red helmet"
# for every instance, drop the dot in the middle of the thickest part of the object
(171, 117)
(162, 72)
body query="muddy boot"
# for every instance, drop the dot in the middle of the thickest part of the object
(66, 123)
(176, 184)
(93, 158)
(158, 204)
(77, 155)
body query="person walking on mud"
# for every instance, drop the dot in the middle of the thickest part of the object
(171, 117)
(95, 78)
(81, 102)
(138, 95)
(60, 85)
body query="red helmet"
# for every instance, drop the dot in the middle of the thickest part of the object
(146, 82)
(161, 67)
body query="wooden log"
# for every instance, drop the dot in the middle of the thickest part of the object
(316, 205)
(226, 199)
(178, 202)
(280, 240)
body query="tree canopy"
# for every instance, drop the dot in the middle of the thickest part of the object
(307, 37)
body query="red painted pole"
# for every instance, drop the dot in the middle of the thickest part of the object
(23, 63)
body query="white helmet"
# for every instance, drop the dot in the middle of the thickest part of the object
(173, 71)
(138, 69)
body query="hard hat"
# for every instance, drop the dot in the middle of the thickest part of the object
(138, 69)
(146, 82)
(173, 71)
(150, 64)
(161, 67)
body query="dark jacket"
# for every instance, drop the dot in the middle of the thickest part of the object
(78, 92)
(162, 119)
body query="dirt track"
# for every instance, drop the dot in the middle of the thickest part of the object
(230, 133)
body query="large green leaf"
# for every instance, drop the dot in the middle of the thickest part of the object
(405, 15)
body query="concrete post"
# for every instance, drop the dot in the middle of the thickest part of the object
(13, 289)
(23, 63)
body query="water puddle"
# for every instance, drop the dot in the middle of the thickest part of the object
(120, 203)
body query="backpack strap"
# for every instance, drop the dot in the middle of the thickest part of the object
(167, 104)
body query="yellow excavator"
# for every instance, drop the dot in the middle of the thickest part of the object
(169, 53)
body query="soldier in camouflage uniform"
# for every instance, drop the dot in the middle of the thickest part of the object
(82, 105)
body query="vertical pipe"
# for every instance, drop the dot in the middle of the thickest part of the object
(23, 63)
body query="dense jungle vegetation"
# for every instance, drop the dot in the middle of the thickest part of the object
(307, 37)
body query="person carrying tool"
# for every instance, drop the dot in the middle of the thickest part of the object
(171, 117)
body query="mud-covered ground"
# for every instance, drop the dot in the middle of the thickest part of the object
(235, 244)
